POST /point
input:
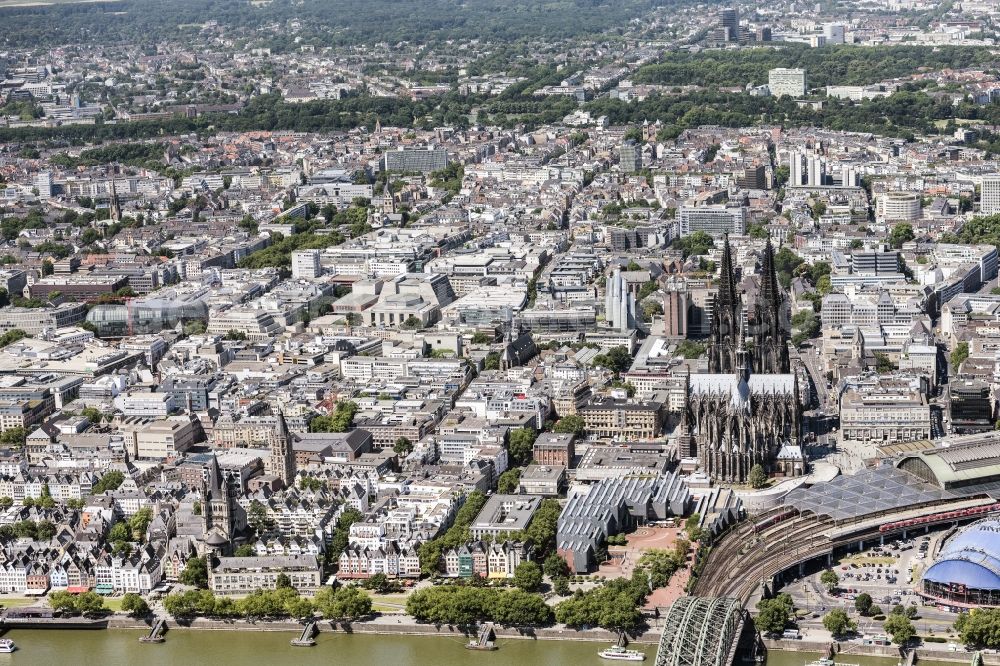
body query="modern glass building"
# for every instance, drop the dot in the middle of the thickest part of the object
(153, 314)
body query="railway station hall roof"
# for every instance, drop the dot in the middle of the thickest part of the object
(868, 492)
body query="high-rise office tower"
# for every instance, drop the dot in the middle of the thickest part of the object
(990, 195)
(631, 157)
(675, 309)
(834, 33)
(729, 22)
(306, 264)
(619, 303)
(816, 171)
(795, 171)
(786, 81)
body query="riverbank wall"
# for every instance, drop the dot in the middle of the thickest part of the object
(408, 628)
(845, 650)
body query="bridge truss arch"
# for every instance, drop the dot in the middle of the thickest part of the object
(701, 631)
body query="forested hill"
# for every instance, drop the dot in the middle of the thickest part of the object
(350, 21)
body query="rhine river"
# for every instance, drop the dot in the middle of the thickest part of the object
(119, 647)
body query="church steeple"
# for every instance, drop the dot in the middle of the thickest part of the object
(858, 348)
(770, 337)
(725, 318)
(727, 278)
(114, 205)
(769, 290)
(281, 462)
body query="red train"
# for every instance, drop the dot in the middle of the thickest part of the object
(939, 517)
(772, 520)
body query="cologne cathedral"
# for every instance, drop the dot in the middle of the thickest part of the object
(770, 340)
(746, 409)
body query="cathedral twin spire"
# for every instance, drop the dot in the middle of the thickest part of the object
(726, 319)
(769, 354)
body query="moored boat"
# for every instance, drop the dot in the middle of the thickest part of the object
(619, 653)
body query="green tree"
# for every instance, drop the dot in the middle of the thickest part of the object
(343, 604)
(90, 604)
(901, 233)
(520, 608)
(560, 585)
(340, 421)
(299, 608)
(883, 363)
(402, 447)
(959, 354)
(528, 576)
(520, 446)
(139, 521)
(26, 529)
(617, 360)
(772, 616)
(508, 481)
(659, 565)
(838, 623)
(282, 581)
(572, 423)
(900, 628)
(757, 478)
(690, 349)
(195, 573)
(63, 602)
(807, 325)
(863, 603)
(92, 414)
(692, 527)
(45, 530)
(824, 285)
(339, 540)
(555, 566)
(650, 309)
(697, 243)
(13, 436)
(542, 529)
(381, 584)
(980, 627)
(829, 579)
(110, 481)
(12, 336)
(259, 518)
(181, 605)
(613, 606)
(492, 361)
(244, 550)
(481, 338)
(120, 531)
(135, 605)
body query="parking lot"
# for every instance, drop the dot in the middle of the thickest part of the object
(889, 573)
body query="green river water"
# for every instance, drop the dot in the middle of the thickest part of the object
(221, 648)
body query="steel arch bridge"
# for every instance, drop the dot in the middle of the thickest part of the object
(701, 631)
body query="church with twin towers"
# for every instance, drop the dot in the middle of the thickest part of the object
(745, 410)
